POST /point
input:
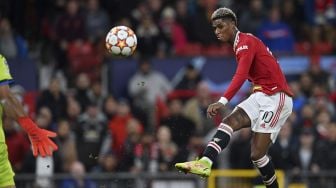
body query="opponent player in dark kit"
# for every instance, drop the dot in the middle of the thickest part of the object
(265, 110)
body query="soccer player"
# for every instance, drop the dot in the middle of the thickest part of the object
(265, 110)
(12, 108)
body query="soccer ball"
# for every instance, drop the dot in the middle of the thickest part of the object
(121, 40)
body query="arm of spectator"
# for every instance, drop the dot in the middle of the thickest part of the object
(165, 84)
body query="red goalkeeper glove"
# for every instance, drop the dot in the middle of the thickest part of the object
(39, 138)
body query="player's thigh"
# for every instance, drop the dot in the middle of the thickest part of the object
(245, 114)
(273, 112)
(6, 172)
(238, 119)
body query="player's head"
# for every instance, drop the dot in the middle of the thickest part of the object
(224, 21)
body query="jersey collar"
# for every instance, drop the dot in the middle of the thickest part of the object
(236, 40)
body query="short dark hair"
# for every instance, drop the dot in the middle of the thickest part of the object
(224, 13)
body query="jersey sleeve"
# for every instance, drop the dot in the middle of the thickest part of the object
(245, 52)
(5, 76)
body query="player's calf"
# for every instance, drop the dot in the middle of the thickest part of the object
(236, 120)
(202, 167)
(266, 169)
(219, 141)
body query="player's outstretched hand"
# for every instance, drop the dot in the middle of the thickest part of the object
(213, 109)
(39, 138)
(41, 142)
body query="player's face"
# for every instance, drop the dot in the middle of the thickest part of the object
(224, 29)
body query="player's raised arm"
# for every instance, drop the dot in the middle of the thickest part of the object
(39, 138)
(244, 53)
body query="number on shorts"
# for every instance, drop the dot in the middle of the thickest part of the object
(267, 116)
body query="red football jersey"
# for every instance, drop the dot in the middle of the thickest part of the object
(257, 64)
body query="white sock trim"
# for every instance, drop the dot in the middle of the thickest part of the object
(261, 162)
(226, 128)
(215, 146)
(271, 180)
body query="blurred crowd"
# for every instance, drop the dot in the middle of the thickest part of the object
(143, 133)
(161, 122)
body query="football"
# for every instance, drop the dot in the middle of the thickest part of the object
(121, 41)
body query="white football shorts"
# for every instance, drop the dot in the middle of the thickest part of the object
(267, 113)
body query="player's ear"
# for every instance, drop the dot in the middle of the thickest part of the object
(233, 25)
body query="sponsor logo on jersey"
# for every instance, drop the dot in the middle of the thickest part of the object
(240, 48)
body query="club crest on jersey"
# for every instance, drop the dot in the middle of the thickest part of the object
(240, 48)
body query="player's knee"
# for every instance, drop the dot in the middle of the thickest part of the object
(237, 120)
(230, 122)
(234, 122)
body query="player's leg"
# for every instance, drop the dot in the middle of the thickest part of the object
(236, 120)
(6, 172)
(244, 115)
(259, 147)
(274, 111)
